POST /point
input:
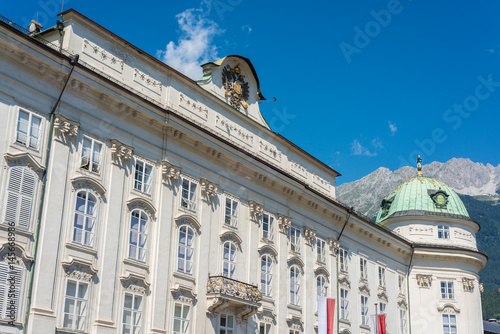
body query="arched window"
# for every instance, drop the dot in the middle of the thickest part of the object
(443, 232)
(266, 275)
(85, 217)
(229, 259)
(321, 285)
(294, 285)
(138, 235)
(185, 249)
(20, 193)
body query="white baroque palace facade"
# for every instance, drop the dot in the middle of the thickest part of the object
(136, 200)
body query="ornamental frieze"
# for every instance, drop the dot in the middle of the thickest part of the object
(309, 235)
(65, 128)
(170, 172)
(208, 189)
(256, 210)
(284, 223)
(120, 153)
(424, 281)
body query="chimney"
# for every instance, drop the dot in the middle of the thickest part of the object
(35, 27)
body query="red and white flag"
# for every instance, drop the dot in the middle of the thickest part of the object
(378, 322)
(326, 315)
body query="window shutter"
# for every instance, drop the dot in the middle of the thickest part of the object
(6, 300)
(4, 267)
(13, 194)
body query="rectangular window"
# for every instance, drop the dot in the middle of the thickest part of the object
(447, 290)
(449, 324)
(381, 276)
(28, 130)
(75, 305)
(363, 268)
(443, 232)
(294, 239)
(188, 195)
(143, 176)
(10, 289)
(91, 155)
(231, 217)
(381, 307)
(182, 318)
(132, 313)
(402, 321)
(294, 331)
(343, 259)
(226, 324)
(266, 275)
(401, 284)
(364, 310)
(264, 328)
(344, 304)
(267, 226)
(320, 250)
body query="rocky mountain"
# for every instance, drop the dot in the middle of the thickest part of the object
(463, 175)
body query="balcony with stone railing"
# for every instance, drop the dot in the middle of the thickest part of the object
(224, 292)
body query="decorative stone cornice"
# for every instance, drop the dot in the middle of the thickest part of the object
(448, 308)
(382, 295)
(284, 223)
(309, 235)
(334, 246)
(25, 160)
(256, 211)
(183, 294)
(230, 236)
(344, 281)
(208, 189)
(79, 270)
(84, 182)
(294, 321)
(402, 303)
(266, 315)
(170, 173)
(120, 153)
(424, 281)
(468, 284)
(188, 220)
(363, 287)
(322, 271)
(145, 205)
(134, 283)
(64, 128)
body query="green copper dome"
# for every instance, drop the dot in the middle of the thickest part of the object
(422, 196)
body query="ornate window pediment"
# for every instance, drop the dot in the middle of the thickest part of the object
(84, 182)
(79, 270)
(188, 220)
(448, 308)
(135, 284)
(322, 271)
(363, 288)
(230, 236)
(295, 260)
(382, 295)
(344, 281)
(24, 160)
(18, 256)
(140, 203)
(183, 294)
(268, 249)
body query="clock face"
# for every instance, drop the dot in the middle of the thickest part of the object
(440, 199)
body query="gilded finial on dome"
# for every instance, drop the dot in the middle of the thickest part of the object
(419, 166)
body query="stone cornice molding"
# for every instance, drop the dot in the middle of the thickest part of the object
(402, 303)
(134, 283)
(294, 321)
(363, 288)
(344, 281)
(64, 128)
(295, 260)
(322, 271)
(208, 190)
(256, 210)
(84, 182)
(230, 236)
(284, 223)
(170, 173)
(121, 154)
(79, 270)
(309, 235)
(143, 204)
(382, 295)
(268, 249)
(24, 159)
(189, 220)
(448, 308)
(183, 293)
(19, 254)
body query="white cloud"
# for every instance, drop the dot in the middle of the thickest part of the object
(393, 128)
(246, 28)
(377, 143)
(195, 45)
(358, 149)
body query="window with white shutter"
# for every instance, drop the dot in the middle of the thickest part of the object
(10, 289)
(19, 199)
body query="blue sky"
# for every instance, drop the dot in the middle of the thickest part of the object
(359, 84)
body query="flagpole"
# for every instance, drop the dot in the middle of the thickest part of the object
(376, 318)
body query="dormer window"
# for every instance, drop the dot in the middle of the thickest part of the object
(443, 232)
(440, 198)
(386, 206)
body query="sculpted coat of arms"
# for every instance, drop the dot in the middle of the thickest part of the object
(236, 88)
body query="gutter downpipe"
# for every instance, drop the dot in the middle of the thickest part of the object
(349, 212)
(408, 284)
(73, 61)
